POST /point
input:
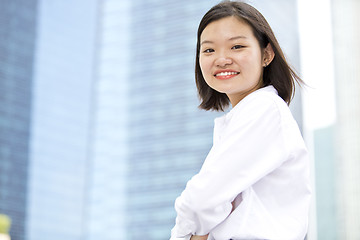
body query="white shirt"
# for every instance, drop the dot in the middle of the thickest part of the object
(259, 160)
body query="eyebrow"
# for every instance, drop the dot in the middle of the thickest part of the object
(237, 37)
(230, 39)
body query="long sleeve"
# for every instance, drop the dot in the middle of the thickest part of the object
(251, 146)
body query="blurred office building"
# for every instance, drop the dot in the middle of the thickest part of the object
(46, 76)
(330, 56)
(61, 120)
(346, 23)
(17, 48)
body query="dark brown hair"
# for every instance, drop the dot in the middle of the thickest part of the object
(278, 73)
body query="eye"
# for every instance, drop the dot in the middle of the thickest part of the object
(209, 50)
(237, 47)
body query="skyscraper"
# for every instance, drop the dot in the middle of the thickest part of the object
(346, 34)
(106, 188)
(17, 46)
(61, 119)
(330, 47)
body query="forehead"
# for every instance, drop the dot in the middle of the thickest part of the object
(227, 27)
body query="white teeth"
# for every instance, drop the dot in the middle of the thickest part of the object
(226, 73)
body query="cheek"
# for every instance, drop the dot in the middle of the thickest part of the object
(205, 70)
(251, 61)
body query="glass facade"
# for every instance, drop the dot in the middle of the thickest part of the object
(17, 46)
(346, 37)
(61, 119)
(106, 200)
(330, 56)
(325, 181)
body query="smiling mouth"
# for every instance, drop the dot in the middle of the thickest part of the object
(226, 75)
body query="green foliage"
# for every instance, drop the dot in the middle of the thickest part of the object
(5, 223)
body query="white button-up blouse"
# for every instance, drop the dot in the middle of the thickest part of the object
(260, 164)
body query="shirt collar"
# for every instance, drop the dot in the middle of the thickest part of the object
(227, 116)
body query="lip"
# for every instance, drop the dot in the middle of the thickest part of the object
(226, 76)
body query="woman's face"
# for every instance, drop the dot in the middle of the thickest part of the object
(231, 59)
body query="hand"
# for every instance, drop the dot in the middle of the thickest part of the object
(196, 237)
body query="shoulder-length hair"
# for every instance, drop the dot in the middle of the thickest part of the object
(278, 73)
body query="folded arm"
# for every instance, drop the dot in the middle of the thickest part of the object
(252, 148)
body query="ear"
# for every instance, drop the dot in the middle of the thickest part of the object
(268, 55)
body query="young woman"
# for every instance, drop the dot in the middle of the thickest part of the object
(254, 183)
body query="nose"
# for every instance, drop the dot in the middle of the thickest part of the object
(223, 61)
